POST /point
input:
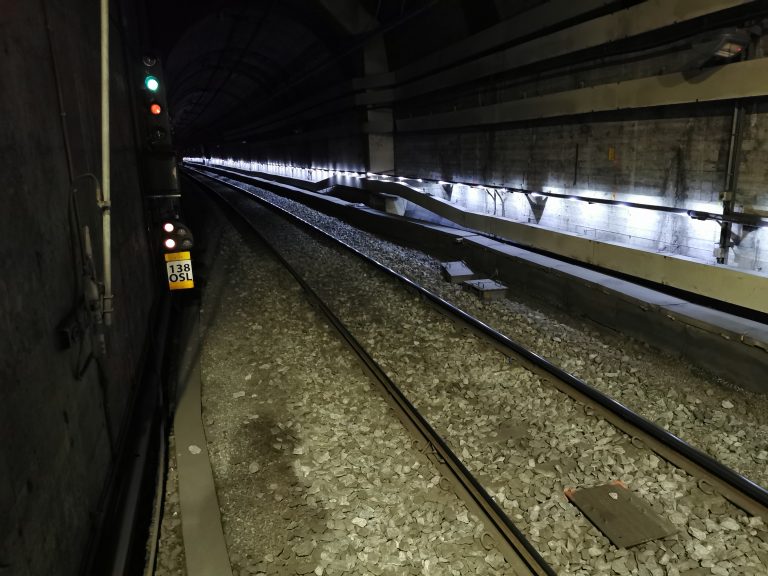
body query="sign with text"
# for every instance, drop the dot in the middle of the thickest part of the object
(178, 267)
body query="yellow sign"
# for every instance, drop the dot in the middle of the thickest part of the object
(178, 266)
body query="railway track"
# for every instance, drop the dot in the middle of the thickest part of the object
(511, 540)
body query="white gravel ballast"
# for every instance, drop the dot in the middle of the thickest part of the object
(314, 473)
(728, 423)
(525, 440)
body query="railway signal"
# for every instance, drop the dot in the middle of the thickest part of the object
(177, 235)
(154, 102)
(159, 162)
(177, 241)
(151, 83)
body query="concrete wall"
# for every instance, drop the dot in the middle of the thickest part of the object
(339, 145)
(672, 156)
(59, 430)
(677, 161)
(663, 159)
(643, 229)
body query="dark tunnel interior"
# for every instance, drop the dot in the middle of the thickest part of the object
(384, 287)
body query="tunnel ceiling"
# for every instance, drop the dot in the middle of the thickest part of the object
(230, 63)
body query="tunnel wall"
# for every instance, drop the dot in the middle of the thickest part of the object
(60, 429)
(339, 146)
(671, 156)
(675, 161)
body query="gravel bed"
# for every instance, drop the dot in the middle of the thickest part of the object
(314, 473)
(526, 441)
(170, 548)
(718, 418)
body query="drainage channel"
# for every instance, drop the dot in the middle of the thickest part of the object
(712, 474)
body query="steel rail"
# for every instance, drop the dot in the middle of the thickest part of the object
(737, 488)
(510, 540)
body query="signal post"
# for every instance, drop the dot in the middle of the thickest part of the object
(172, 236)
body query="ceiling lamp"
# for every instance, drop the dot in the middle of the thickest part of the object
(721, 47)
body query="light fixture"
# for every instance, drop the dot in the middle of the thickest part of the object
(729, 50)
(699, 215)
(724, 46)
(151, 83)
(176, 235)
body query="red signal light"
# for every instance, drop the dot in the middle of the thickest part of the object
(155, 109)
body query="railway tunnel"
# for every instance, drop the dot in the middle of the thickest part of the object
(384, 287)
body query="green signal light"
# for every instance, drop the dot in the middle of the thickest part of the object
(151, 83)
